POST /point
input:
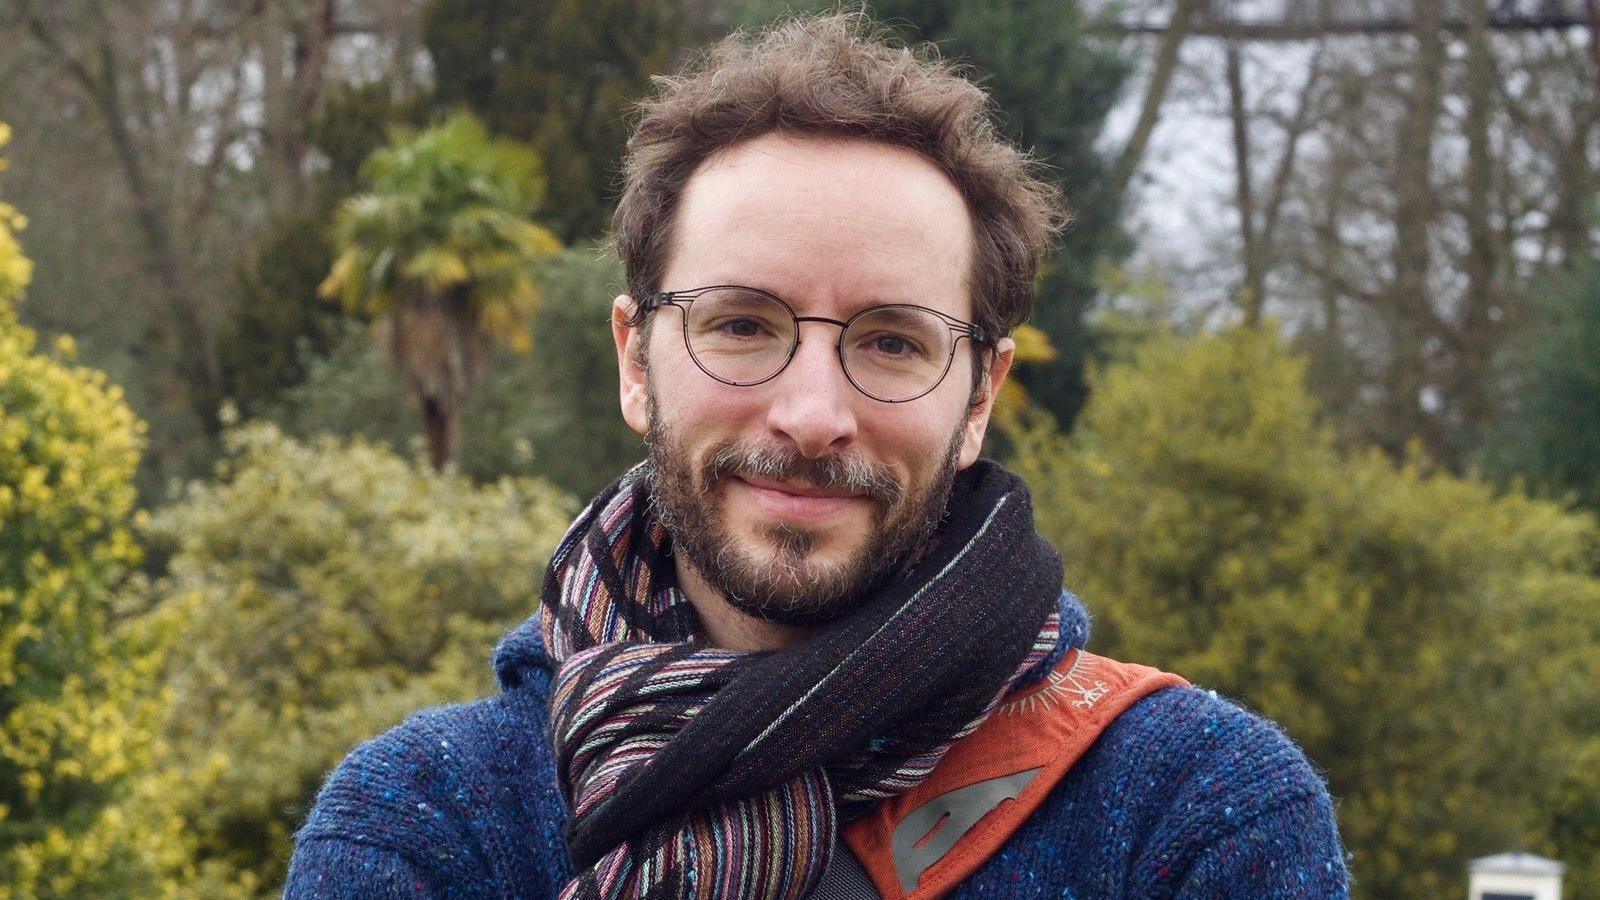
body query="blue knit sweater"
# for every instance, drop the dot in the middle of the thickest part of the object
(1185, 795)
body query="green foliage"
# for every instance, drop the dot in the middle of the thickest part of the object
(560, 75)
(551, 413)
(447, 208)
(441, 252)
(278, 320)
(555, 413)
(1552, 436)
(1575, 816)
(1054, 87)
(318, 593)
(277, 324)
(356, 122)
(76, 716)
(1428, 642)
(351, 391)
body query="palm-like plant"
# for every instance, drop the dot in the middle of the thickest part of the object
(442, 254)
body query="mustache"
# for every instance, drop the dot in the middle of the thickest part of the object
(834, 472)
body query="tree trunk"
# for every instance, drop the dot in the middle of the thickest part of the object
(1569, 221)
(441, 424)
(310, 56)
(1591, 14)
(1410, 302)
(1287, 30)
(1481, 319)
(1155, 94)
(192, 339)
(1252, 292)
(433, 339)
(1283, 174)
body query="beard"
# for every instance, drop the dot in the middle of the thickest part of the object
(783, 582)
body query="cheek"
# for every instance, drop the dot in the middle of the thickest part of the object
(913, 442)
(695, 405)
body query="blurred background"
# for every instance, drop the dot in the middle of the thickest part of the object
(304, 368)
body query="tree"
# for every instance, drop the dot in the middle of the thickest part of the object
(161, 140)
(1432, 159)
(1410, 629)
(559, 75)
(316, 594)
(550, 413)
(1551, 436)
(76, 714)
(554, 412)
(277, 325)
(441, 253)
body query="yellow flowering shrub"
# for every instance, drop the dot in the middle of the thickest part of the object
(77, 712)
(15, 269)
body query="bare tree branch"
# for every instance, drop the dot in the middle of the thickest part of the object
(1480, 326)
(206, 189)
(1296, 127)
(98, 77)
(1254, 286)
(1591, 14)
(1155, 94)
(1290, 31)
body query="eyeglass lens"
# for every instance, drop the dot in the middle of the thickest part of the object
(891, 352)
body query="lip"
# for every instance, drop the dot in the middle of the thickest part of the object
(797, 504)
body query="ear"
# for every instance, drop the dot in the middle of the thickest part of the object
(630, 371)
(1005, 350)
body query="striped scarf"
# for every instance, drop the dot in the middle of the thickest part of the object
(693, 771)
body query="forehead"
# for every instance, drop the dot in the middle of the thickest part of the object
(827, 223)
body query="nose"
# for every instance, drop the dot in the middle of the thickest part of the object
(813, 402)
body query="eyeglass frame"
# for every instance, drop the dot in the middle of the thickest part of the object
(963, 329)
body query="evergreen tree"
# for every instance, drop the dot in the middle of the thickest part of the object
(1552, 433)
(1054, 87)
(559, 75)
(276, 324)
(551, 412)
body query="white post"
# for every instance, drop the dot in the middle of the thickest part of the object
(1515, 876)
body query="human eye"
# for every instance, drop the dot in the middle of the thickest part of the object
(741, 327)
(894, 345)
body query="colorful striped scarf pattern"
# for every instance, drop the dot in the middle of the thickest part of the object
(700, 772)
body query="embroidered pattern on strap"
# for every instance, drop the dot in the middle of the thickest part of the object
(1078, 681)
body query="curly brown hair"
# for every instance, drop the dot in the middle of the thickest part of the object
(840, 75)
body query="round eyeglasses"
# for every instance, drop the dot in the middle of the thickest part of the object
(744, 336)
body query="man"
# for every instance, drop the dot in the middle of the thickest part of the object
(813, 646)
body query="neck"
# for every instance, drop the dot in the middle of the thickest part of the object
(726, 626)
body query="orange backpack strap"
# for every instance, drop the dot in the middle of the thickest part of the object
(923, 843)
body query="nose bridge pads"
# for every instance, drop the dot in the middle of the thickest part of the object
(835, 352)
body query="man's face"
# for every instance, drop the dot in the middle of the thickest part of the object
(796, 496)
